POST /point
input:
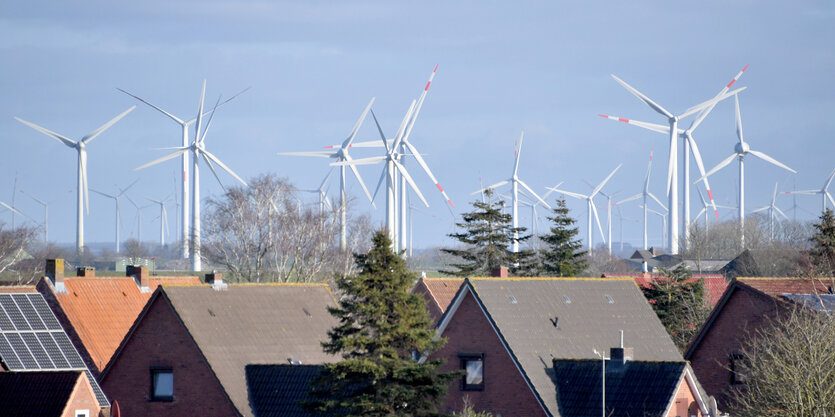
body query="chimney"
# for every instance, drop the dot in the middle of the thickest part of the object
(621, 355)
(500, 272)
(141, 275)
(216, 280)
(85, 271)
(55, 273)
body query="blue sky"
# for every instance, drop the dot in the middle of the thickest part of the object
(503, 67)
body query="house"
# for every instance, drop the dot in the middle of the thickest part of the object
(47, 394)
(747, 305)
(633, 387)
(98, 311)
(656, 258)
(32, 341)
(187, 352)
(438, 293)
(504, 333)
(279, 390)
(714, 284)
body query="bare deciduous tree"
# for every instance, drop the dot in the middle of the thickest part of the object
(13, 250)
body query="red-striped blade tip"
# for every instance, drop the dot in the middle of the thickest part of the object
(329, 147)
(710, 195)
(436, 68)
(717, 213)
(450, 203)
(428, 83)
(439, 186)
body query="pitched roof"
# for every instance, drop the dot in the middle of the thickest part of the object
(254, 324)
(36, 394)
(714, 284)
(778, 286)
(636, 388)
(541, 318)
(439, 292)
(101, 310)
(279, 390)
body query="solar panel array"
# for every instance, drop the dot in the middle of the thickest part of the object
(31, 339)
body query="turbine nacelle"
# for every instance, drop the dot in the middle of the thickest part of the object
(742, 148)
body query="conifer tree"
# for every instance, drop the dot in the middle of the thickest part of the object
(382, 330)
(563, 256)
(823, 244)
(488, 235)
(679, 302)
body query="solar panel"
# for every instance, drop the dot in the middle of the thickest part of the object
(68, 350)
(100, 397)
(22, 351)
(14, 312)
(44, 311)
(5, 321)
(28, 311)
(8, 355)
(53, 350)
(37, 350)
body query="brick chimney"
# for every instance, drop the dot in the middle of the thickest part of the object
(85, 271)
(216, 280)
(500, 272)
(621, 355)
(55, 272)
(141, 275)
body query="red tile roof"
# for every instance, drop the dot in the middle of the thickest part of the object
(790, 285)
(715, 284)
(441, 291)
(102, 309)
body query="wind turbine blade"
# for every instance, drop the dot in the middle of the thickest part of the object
(829, 196)
(518, 154)
(212, 168)
(362, 161)
(829, 180)
(496, 185)
(411, 182)
(362, 184)
(707, 110)
(209, 124)
(703, 105)
(325, 181)
(163, 159)
(643, 98)
(366, 144)
(400, 131)
(767, 158)
(379, 129)
(805, 192)
(597, 219)
(628, 199)
(698, 156)
(123, 190)
(522, 183)
(600, 186)
(357, 125)
(222, 165)
(757, 210)
(651, 126)
(379, 183)
(92, 135)
(719, 166)
(426, 169)
(570, 194)
(738, 120)
(419, 105)
(32, 197)
(671, 164)
(551, 190)
(199, 117)
(657, 200)
(60, 138)
(175, 118)
(101, 193)
(10, 208)
(320, 154)
(781, 212)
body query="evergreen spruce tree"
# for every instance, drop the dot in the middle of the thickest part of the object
(382, 327)
(679, 302)
(488, 236)
(823, 244)
(563, 256)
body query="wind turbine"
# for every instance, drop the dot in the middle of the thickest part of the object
(321, 192)
(772, 209)
(824, 193)
(689, 146)
(118, 208)
(138, 217)
(704, 210)
(515, 182)
(198, 150)
(163, 217)
(644, 194)
(184, 124)
(672, 169)
(45, 211)
(663, 217)
(341, 154)
(81, 147)
(740, 150)
(592, 209)
(10, 208)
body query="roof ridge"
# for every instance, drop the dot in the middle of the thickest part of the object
(607, 279)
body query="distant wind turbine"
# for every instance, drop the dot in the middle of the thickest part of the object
(773, 210)
(592, 209)
(644, 194)
(163, 217)
(81, 147)
(45, 205)
(116, 198)
(824, 193)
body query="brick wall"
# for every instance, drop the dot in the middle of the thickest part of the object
(82, 398)
(684, 403)
(160, 340)
(505, 391)
(744, 312)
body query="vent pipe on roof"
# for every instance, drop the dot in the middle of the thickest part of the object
(141, 275)
(55, 272)
(500, 272)
(216, 280)
(85, 271)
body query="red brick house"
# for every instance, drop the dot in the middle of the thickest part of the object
(505, 334)
(438, 293)
(47, 394)
(187, 352)
(747, 305)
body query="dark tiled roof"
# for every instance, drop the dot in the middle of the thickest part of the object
(817, 302)
(637, 388)
(278, 390)
(36, 394)
(254, 324)
(588, 322)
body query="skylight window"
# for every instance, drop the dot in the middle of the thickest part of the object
(610, 299)
(566, 299)
(513, 299)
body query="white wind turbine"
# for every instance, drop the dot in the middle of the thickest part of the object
(184, 124)
(672, 169)
(81, 147)
(515, 182)
(163, 217)
(644, 194)
(740, 150)
(321, 192)
(772, 211)
(138, 217)
(824, 193)
(592, 209)
(341, 154)
(198, 150)
(705, 212)
(663, 217)
(690, 145)
(45, 205)
(116, 198)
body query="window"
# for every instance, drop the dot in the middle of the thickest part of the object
(82, 413)
(738, 369)
(473, 366)
(162, 384)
